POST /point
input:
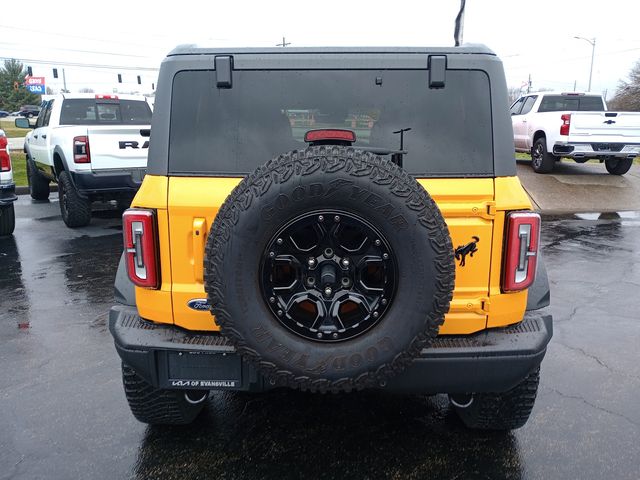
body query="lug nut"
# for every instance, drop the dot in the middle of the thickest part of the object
(378, 243)
(279, 241)
(272, 299)
(335, 335)
(320, 218)
(272, 254)
(376, 314)
(385, 256)
(345, 281)
(319, 335)
(327, 291)
(311, 262)
(311, 281)
(280, 312)
(336, 218)
(345, 262)
(384, 301)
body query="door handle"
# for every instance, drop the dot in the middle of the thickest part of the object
(198, 238)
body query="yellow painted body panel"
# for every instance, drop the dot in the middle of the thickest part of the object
(472, 207)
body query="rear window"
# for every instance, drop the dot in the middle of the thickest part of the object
(89, 111)
(233, 131)
(559, 103)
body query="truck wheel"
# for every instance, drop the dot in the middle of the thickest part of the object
(541, 160)
(38, 185)
(160, 407)
(75, 210)
(618, 166)
(7, 220)
(352, 262)
(499, 411)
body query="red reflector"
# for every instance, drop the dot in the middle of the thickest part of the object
(521, 255)
(140, 247)
(81, 153)
(5, 159)
(106, 97)
(566, 123)
(330, 134)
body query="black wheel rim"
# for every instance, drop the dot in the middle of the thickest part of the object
(536, 158)
(328, 276)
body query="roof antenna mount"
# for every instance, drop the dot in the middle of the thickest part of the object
(457, 34)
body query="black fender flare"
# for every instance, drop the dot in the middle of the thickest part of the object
(124, 289)
(539, 295)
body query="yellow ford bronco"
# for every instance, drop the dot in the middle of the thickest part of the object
(332, 220)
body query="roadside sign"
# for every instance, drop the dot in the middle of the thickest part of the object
(36, 88)
(35, 84)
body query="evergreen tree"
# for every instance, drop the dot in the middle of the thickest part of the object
(13, 93)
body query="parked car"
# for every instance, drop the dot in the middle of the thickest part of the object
(553, 125)
(4, 113)
(29, 111)
(261, 255)
(93, 146)
(7, 189)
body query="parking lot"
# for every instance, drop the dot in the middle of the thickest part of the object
(64, 414)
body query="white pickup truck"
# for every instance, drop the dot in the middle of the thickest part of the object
(552, 125)
(94, 146)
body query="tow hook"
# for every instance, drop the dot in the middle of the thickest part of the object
(461, 401)
(197, 399)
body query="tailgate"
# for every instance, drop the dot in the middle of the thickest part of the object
(118, 147)
(605, 126)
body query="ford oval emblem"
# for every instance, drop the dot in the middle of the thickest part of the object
(200, 304)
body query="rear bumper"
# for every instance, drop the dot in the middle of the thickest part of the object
(490, 361)
(7, 193)
(595, 150)
(116, 182)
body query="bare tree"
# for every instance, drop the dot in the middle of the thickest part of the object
(86, 90)
(627, 96)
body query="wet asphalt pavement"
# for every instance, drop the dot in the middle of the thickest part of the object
(63, 414)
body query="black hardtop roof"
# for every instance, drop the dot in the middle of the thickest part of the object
(193, 49)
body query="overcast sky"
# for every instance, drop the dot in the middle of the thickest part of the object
(532, 37)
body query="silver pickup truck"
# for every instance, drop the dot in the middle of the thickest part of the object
(552, 125)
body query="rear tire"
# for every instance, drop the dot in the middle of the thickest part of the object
(541, 160)
(75, 210)
(500, 411)
(38, 185)
(7, 220)
(618, 166)
(157, 406)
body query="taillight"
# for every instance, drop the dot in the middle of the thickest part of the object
(566, 123)
(523, 239)
(5, 159)
(81, 153)
(140, 247)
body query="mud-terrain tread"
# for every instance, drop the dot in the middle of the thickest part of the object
(156, 406)
(78, 213)
(356, 163)
(39, 187)
(7, 220)
(502, 411)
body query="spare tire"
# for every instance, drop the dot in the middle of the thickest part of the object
(329, 269)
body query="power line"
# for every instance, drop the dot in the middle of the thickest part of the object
(93, 52)
(79, 64)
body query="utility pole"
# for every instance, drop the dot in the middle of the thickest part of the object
(64, 81)
(575, 82)
(591, 42)
(283, 44)
(529, 84)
